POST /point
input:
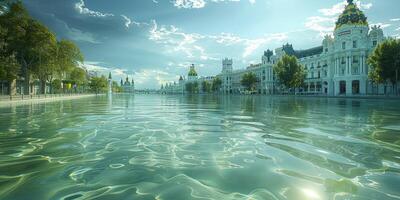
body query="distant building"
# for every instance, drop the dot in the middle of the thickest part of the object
(180, 87)
(128, 87)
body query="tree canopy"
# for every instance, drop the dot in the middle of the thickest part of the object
(216, 84)
(29, 48)
(249, 81)
(289, 72)
(192, 87)
(98, 84)
(385, 62)
(9, 67)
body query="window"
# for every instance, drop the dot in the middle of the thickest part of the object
(354, 44)
(326, 50)
(374, 43)
(343, 45)
(355, 59)
(319, 74)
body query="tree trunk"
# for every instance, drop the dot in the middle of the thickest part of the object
(13, 87)
(43, 86)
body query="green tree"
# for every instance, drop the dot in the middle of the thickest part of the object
(289, 72)
(56, 86)
(9, 67)
(116, 88)
(385, 63)
(249, 81)
(216, 84)
(192, 87)
(69, 56)
(206, 87)
(98, 84)
(35, 48)
(17, 22)
(78, 76)
(44, 45)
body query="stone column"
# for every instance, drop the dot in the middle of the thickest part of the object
(349, 91)
(361, 69)
(315, 87)
(331, 88)
(336, 88)
(363, 86)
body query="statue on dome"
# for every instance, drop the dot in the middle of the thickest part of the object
(350, 1)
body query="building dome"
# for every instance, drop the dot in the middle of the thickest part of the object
(351, 15)
(192, 71)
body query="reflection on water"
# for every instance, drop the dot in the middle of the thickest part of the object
(201, 147)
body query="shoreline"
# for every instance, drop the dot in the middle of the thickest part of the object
(14, 102)
(376, 97)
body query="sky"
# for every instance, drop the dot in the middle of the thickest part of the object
(155, 41)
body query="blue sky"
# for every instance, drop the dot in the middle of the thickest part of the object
(155, 40)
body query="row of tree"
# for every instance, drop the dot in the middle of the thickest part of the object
(206, 86)
(30, 50)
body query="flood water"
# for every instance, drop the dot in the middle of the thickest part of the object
(201, 147)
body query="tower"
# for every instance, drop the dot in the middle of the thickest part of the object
(192, 75)
(109, 83)
(227, 65)
(132, 86)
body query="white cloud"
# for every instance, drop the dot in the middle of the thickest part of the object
(250, 45)
(82, 9)
(395, 20)
(338, 8)
(80, 36)
(128, 21)
(325, 24)
(176, 41)
(189, 4)
(153, 78)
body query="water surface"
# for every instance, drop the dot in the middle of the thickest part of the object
(201, 147)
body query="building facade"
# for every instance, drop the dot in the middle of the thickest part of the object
(127, 86)
(337, 67)
(180, 87)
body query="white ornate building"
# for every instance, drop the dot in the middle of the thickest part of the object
(127, 86)
(337, 67)
(180, 86)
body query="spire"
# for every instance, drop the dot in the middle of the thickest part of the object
(122, 82)
(109, 76)
(350, 1)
